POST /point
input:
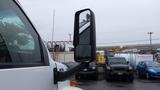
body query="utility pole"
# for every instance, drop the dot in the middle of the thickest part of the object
(150, 37)
(55, 56)
(53, 24)
(70, 36)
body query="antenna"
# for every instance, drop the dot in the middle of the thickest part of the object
(70, 36)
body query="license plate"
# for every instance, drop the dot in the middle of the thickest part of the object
(120, 73)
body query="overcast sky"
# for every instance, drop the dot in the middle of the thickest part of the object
(116, 20)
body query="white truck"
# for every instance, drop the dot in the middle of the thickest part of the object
(25, 63)
(134, 58)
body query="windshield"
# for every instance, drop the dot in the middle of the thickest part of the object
(153, 64)
(117, 60)
(18, 41)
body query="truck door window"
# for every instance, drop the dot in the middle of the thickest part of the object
(19, 43)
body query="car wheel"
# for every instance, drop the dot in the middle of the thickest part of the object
(138, 74)
(108, 78)
(147, 76)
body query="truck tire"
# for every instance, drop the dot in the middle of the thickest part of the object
(96, 76)
(77, 77)
(107, 77)
(131, 78)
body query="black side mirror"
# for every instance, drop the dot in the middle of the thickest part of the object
(84, 36)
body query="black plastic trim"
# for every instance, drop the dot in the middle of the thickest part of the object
(92, 35)
(61, 76)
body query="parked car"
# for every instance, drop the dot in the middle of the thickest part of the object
(118, 68)
(89, 73)
(148, 69)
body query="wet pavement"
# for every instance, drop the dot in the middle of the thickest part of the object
(102, 84)
(120, 85)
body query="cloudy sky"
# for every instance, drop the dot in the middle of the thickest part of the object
(117, 21)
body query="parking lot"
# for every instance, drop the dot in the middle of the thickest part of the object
(102, 84)
(121, 85)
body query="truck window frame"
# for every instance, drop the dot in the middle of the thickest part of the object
(43, 51)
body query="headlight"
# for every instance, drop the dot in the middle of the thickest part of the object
(84, 69)
(108, 68)
(130, 68)
(93, 68)
(152, 70)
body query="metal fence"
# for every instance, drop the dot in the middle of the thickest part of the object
(63, 56)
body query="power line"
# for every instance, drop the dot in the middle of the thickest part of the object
(70, 36)
(130, 41)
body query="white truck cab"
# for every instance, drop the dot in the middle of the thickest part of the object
(25, 63)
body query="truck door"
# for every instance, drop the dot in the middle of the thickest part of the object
(24, 63)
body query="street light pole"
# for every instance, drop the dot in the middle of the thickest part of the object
(53, 25)
(150, 36)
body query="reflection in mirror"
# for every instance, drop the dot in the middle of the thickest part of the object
(84, 27)
(84, 20)
(83, 52)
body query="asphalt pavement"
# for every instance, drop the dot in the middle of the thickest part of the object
(120, 85)
(102, 84)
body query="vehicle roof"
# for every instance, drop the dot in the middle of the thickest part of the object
(146, 61)
(116, 57)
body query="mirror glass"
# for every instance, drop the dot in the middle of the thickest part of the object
(83, 52)
(84, 27)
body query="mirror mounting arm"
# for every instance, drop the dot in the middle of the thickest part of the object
(60, 76)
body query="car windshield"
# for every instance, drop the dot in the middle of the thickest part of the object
(152, 64)
(117, 61)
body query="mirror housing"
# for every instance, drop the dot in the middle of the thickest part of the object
(84, 36)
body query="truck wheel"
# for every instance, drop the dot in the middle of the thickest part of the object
(96, 76)
(130, 79)
(77, 77)
(108, 78)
